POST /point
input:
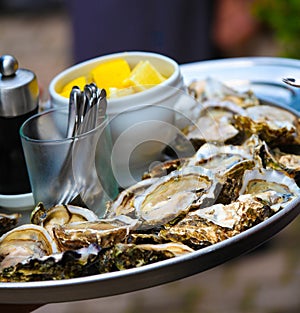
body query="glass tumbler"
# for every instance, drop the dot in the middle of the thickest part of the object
(68, 170)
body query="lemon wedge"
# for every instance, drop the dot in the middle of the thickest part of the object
(79, 81)
(144, 75)
(111, 74)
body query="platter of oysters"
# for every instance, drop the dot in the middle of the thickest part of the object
(238, 189)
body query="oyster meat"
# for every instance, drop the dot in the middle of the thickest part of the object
(25, 242)
(123, 205)
(214, 124)
(174, 194)
(274, 187)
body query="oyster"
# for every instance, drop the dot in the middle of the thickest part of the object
(219, 158)
(195, 232)
(289, 161)
(25, 242)
(226, 162)
(175, 194)
(165, 168)
(274, 187)
(274, 125)
(91, 260)
(214, 124)
(214, 89)
(281, 161)
(130, 255)
(60, 215)
(207, 226)
(69, 264)
(123, 205)
(104, 232)
(8, 221)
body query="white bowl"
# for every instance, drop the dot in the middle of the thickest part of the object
(22, 202)
(141, 123)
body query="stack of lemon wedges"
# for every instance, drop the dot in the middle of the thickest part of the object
(118, 79)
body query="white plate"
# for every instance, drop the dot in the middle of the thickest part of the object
(21, 202)
(263, 75)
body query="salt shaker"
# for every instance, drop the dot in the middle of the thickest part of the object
(19, 97)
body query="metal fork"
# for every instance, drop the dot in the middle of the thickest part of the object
(84, 108)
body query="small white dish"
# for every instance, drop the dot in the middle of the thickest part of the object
(141, 124)
(22, 202)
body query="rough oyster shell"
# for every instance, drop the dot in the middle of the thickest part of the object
(8, 221)
(25, 242)
(207, 226)
(274, 125)
(214, 124)
(278, 160)
(214, 89)
(130, 255)
(68, 264)
(104, 232)
(90, 261)
(241, 214)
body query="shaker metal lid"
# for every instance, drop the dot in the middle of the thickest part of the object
(19, 90)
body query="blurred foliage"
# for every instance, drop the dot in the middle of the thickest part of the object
(282, 17)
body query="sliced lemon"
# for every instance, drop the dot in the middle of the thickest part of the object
(143, 76)
(111, 74)
(120, 92)
(79, 81)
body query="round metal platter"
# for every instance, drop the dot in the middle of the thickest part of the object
(267, 72)
(263, 75)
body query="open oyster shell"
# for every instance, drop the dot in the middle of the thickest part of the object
(60, 215)
(104, 232)
(25, 242)
(174, 194)
(214, 124)
(289, 163)
(123, 205)
(274, 187)
(209, 225)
